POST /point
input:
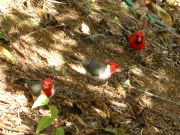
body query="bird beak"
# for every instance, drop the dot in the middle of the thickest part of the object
(118, 70)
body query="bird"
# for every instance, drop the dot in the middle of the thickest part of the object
(48, 87)
(98, 70)
(137, 40)
(38, 87)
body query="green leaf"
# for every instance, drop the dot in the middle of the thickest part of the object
(40, 101)
(59, 131)
(7, 54)
(116, 131)
(44, 122)
(129, 3)
(160, 9)
(127, 84)
(165, 16)
(54, 111)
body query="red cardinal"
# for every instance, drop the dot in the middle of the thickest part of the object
(137, 40)
(48, 87)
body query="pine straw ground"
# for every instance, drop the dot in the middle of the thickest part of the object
(87, 107)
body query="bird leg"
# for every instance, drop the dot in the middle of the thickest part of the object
(106, 83)
(104, 87)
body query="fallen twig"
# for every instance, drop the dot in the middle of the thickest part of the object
(18, 130)
(151, 70)
(164, 115)
(57, 2)
(159, 45)
(155, 96)
(5, 101)
(88, 100)
(1, 133)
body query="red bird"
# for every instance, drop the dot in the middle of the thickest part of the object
(48, 87)
(137, 40)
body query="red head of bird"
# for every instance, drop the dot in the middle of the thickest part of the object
(48, 88)
(110, 69)
(137, 40)
(113, 67)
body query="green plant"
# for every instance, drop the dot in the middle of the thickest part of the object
(7, 54)
(46, 121)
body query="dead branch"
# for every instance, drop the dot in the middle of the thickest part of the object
(18, 130)
(155, 96)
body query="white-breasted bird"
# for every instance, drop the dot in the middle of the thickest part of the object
(98, 70)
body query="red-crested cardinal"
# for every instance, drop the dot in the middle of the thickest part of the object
(38, 87)
(98, 70)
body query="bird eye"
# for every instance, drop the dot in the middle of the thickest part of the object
(45, 86)
(139, 38)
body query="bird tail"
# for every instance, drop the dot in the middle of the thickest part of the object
(20, 81)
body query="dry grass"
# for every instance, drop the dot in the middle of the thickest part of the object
(87, 107)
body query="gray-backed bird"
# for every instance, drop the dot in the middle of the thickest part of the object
(38, 87)
(98, 70)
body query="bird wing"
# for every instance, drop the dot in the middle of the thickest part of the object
(20, 81)
(94, 68)
(34, 86)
